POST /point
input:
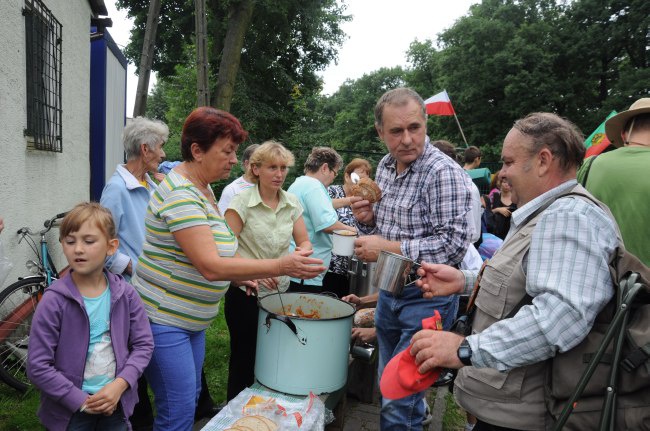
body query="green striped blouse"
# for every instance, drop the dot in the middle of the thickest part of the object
(173, 290)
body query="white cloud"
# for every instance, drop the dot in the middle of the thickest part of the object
(382, 30)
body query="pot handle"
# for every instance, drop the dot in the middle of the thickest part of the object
(287, 321)
(353, 268)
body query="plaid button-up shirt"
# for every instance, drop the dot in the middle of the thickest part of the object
(424, 207)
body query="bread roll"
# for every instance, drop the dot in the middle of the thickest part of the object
(367, 189)
(364, 318)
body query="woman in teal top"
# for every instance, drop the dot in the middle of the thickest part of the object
(321, 167)
(188, 261)
(264, 218)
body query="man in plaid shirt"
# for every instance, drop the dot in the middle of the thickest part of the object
(423, 216)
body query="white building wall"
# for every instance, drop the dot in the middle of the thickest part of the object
(36, 185)
(115, 110)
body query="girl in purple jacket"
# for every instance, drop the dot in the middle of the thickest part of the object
(90, 338)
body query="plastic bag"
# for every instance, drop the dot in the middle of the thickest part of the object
(5, 265)
(287, 412)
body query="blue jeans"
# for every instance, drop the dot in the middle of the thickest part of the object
(397, 319)
(174, 375)
(86, 421)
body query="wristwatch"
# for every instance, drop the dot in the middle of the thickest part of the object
(464, 353)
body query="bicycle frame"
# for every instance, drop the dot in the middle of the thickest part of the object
(47, 270)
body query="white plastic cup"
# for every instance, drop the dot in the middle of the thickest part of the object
(343, 242)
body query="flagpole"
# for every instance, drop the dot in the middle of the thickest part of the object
(461, 130)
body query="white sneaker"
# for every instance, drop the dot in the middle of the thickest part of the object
(428, 418)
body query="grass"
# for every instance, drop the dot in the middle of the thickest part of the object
(454, 417)
(18, 411)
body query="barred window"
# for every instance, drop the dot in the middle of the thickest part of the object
(43, 54)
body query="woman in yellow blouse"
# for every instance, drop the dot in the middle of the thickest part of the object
(264, 218)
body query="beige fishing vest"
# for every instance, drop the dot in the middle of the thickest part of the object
(515, 398)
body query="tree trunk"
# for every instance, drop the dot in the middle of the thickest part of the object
(146, 59)
(202, 89)
(238, 21)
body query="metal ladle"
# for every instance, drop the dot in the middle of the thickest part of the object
(284, 313)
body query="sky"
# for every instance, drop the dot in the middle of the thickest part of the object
(379, 35)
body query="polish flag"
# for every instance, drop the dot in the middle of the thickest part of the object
(439, 104)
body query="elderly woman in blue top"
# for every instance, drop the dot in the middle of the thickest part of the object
(126, 195)
(128, 191)
(321, 167)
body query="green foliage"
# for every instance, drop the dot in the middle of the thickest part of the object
(287, 42)
(499, 62)
(505, 59)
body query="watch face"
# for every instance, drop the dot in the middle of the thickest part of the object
(465, 353)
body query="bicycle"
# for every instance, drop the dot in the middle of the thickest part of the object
(18, 303)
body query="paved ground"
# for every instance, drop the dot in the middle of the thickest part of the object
(361, 416)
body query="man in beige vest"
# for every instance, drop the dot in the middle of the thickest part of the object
(557, 251)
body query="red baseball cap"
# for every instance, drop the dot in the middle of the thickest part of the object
(401, 377)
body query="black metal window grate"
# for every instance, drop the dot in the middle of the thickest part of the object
(44, 100)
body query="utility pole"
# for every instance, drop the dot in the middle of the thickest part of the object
(202, 89)
(146, 59)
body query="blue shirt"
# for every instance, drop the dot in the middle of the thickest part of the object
(318, 214)
(127, 200)
(100, 359)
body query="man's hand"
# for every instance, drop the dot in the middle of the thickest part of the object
(270, 283)
(436, 349)
(439, 280)
(364, 335)
(252, 286)
(368, 247)
(362, 210)
(352, 299)
(105, 401)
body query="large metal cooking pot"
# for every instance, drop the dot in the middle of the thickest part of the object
(297, 355)
(361, 277)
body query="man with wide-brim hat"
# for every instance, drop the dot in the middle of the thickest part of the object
(619, 178)
(621, 126)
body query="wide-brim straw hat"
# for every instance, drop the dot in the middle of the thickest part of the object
(614, 126)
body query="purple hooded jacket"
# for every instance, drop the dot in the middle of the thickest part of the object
(58, 344)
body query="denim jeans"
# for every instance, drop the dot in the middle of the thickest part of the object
(397, 319)
(85, 421)
(174, 375)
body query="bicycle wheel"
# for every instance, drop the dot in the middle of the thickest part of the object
(17, 305)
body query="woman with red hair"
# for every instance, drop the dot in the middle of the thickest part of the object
(189, 260)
